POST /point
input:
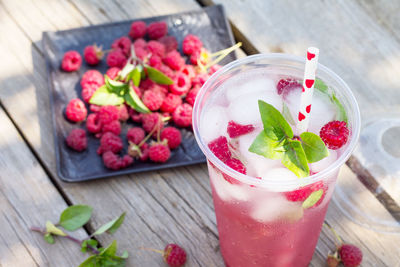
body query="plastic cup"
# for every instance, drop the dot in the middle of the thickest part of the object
(257, 225)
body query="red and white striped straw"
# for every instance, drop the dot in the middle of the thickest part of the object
(308, 89)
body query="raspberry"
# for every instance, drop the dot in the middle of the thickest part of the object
(71, 61)
(135, 135)
(140, 43)
(304, 192)
(174, 255)
(146, 84)
(93, 123)
(172, 135)
(350, 255)
(112, 127)
(110, 142)
(190, 44)
(145, 152)
(284, 85)
(169, 42)
(191, 96)
(141, 53)
(156, 48)
(138, 29)
(77, 140)
(238, 166)
(157, 30)
(123, 114)
(174, 60)
(108, 114)
(170, 103)
(92, 54)
(219, 147)
(151, 120)
(114, 162)
(199, 55)
(94, 108)
(200, 79)
(123, 44)
(135, 116)
(167, 71)
(76, 110)
(112, 73)
(334, 134)
(116, 58)
(159, 152)
(155, 61)
(88, 90)
(234, 129)
(152, 99)
(181, 84)
(92, 77)
(213, 69)
(160, 89)
(189, 71)
(182, 115)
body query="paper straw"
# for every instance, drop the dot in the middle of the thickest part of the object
(303, 117)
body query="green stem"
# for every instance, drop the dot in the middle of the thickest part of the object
(222, 53)
(334, 232)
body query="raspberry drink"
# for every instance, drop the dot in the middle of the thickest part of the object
(269, 212)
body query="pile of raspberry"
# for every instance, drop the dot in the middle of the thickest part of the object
(150, 136)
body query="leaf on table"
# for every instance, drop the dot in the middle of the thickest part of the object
(157, 76)
(51, 228)
(75, 217)
(104, 97)
(313, 146)
(49, 238)
(89, 262)
(111, 226)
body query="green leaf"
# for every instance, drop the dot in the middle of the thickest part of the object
(295, 158)
(133, 100)
(110, 250)
(274, 122)
(104, 97)
(111, 226)
(341, 112)
(313, 146)
(126, 70)
(136, 75)
(125, 254)
(312, 199)
(116, 87)
(157, 76)
(49, 238)
(321, 86)
(84, 246)
(89, 262)
(287, 115)
(93, 243)
(51, 228)
(267, 147)
(75, 217)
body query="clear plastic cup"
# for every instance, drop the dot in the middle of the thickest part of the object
(257, 225)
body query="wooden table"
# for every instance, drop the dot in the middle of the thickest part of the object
(360, 41)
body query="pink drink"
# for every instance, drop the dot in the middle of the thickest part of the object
(262, 216)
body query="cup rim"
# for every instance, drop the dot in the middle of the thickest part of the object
(265, 182)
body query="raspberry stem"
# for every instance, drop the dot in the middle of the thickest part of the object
(334, 232)
(148, 135)
(222, 53)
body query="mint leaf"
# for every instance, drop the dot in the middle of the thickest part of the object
(313, 146)
(128, 68)
(321, 86)
(89, 262)
(110, 250)
(84, 246)
(312, 199)
(52, 229)
(133, 100)
(115, 87)
(341, 112)
(135, 76)
(49, 238)
(75, 217)
(111, 226)
(93, 243)
(274, 122)
(287, 115)
(104, 97)
(295, 158)
(157, 76)
(267, 147)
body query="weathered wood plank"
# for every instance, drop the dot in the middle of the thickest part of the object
(28, 198)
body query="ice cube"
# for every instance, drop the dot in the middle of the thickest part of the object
(256, 86)
(213, 123)
(322, 112)
(324, 163)
(292, 101)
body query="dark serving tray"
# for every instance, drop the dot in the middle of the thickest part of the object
(210, 24)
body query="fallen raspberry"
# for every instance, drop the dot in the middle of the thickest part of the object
(182, 115)
(112, 73)
(219, 147)
(189, 71)
(169, 42)
(76, 110)
(238, 166)
(155, 62)
(159, 152)
(213, 69)
(174, 60)
(138, 29)
(93, 123)
(151, 120)
(200, 79)
(71, 61)
(285, 85)
(350, 255)
(191, 95)
(174, 255)
(172, 135)
(110, 142)
(112, 127)
(181, 84)
(170, 103)
(124, 44)
(108, 114)
(88, 90)
(92, 54)
(157, 30)
(114, 162)
(152, 99)
(235, 129)
(123, 114)
(116, 58)
(77, 140)
(156, 48)
(334, 134)
(92, 77)
(135, 135)
(190, 44)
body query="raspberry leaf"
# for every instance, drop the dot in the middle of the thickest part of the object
(75, 217)
(273, 121)
(104, 97)
(313, 146)
(115, 87)
(312, 199)
(49, 238)
(133, 100)
(129, 67)
(135, 76)
(295, 158)
(157, 76)
(267, 147)
(112, 226)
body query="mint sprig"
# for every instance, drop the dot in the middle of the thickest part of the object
(276, 141)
